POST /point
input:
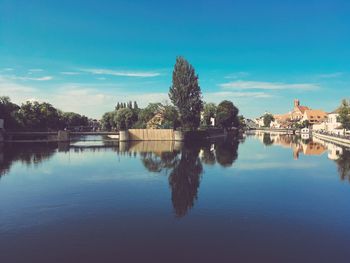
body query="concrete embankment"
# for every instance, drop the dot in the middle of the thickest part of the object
(275, 131)
(172, 135)
(332, 139)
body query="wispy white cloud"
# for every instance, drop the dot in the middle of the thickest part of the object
(70, 73)
(7, 69)
(141, 74)
(35, 70)
(330, 75)
(8, 86)
(44, 78)
(17, 92)
(93, 103)
(259, 85)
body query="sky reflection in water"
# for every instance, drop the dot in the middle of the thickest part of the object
(266, 197)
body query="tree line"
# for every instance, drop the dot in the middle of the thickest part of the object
(187, 111)
(36, 116)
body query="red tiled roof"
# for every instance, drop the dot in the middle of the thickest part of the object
(303, 108)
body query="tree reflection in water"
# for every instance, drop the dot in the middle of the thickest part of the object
(226, 152)
(156, 163)
(267, 139)
(185, 169)
(343, 163)
(184, 165)
(27, 153)
(184, 180)
(208, 154)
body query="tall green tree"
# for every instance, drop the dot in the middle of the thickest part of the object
(124, 118)
(9, 113)
(268, 118)
(107, 121)
(186, 94)
(129, 105)
(117, 107)
(344, 114)
(135, 105)
(226, 115)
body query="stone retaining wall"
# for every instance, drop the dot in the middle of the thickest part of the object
(341, 141)
(151, 134)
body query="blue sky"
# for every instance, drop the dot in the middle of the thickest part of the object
(84, 56)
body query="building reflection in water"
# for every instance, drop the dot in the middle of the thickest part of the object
(307, 146)
(299, 145)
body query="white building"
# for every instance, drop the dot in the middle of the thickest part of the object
(330, 125)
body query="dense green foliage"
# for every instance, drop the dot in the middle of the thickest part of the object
(171, 117)
(226, 115)
(124, 118)
(9, 113)
(268, 118)
(36, 116)
(209, 111)
(344, 114)
(186, 94)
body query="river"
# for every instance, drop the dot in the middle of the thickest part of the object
(261, 198)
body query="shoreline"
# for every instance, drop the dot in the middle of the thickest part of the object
(332, 139)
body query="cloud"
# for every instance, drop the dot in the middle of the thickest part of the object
(331, 75)
(17, 92)
(44, 78)
(258, 85)
(70, 73)
(93, 102)
(140, 74)
(36, 70)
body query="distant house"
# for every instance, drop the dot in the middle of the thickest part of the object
(330, 124)
(259, 121)
(296, 115)
(157, 120)
(251, 124)
(314, 116)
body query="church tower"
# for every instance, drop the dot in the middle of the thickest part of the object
(296, 103)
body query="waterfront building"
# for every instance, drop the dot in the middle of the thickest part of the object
(314, 116)
(330, 124)
(295, 115)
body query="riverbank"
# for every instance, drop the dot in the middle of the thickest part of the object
(272, 131)
(332, 139)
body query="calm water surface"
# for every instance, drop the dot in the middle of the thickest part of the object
(265, 198)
